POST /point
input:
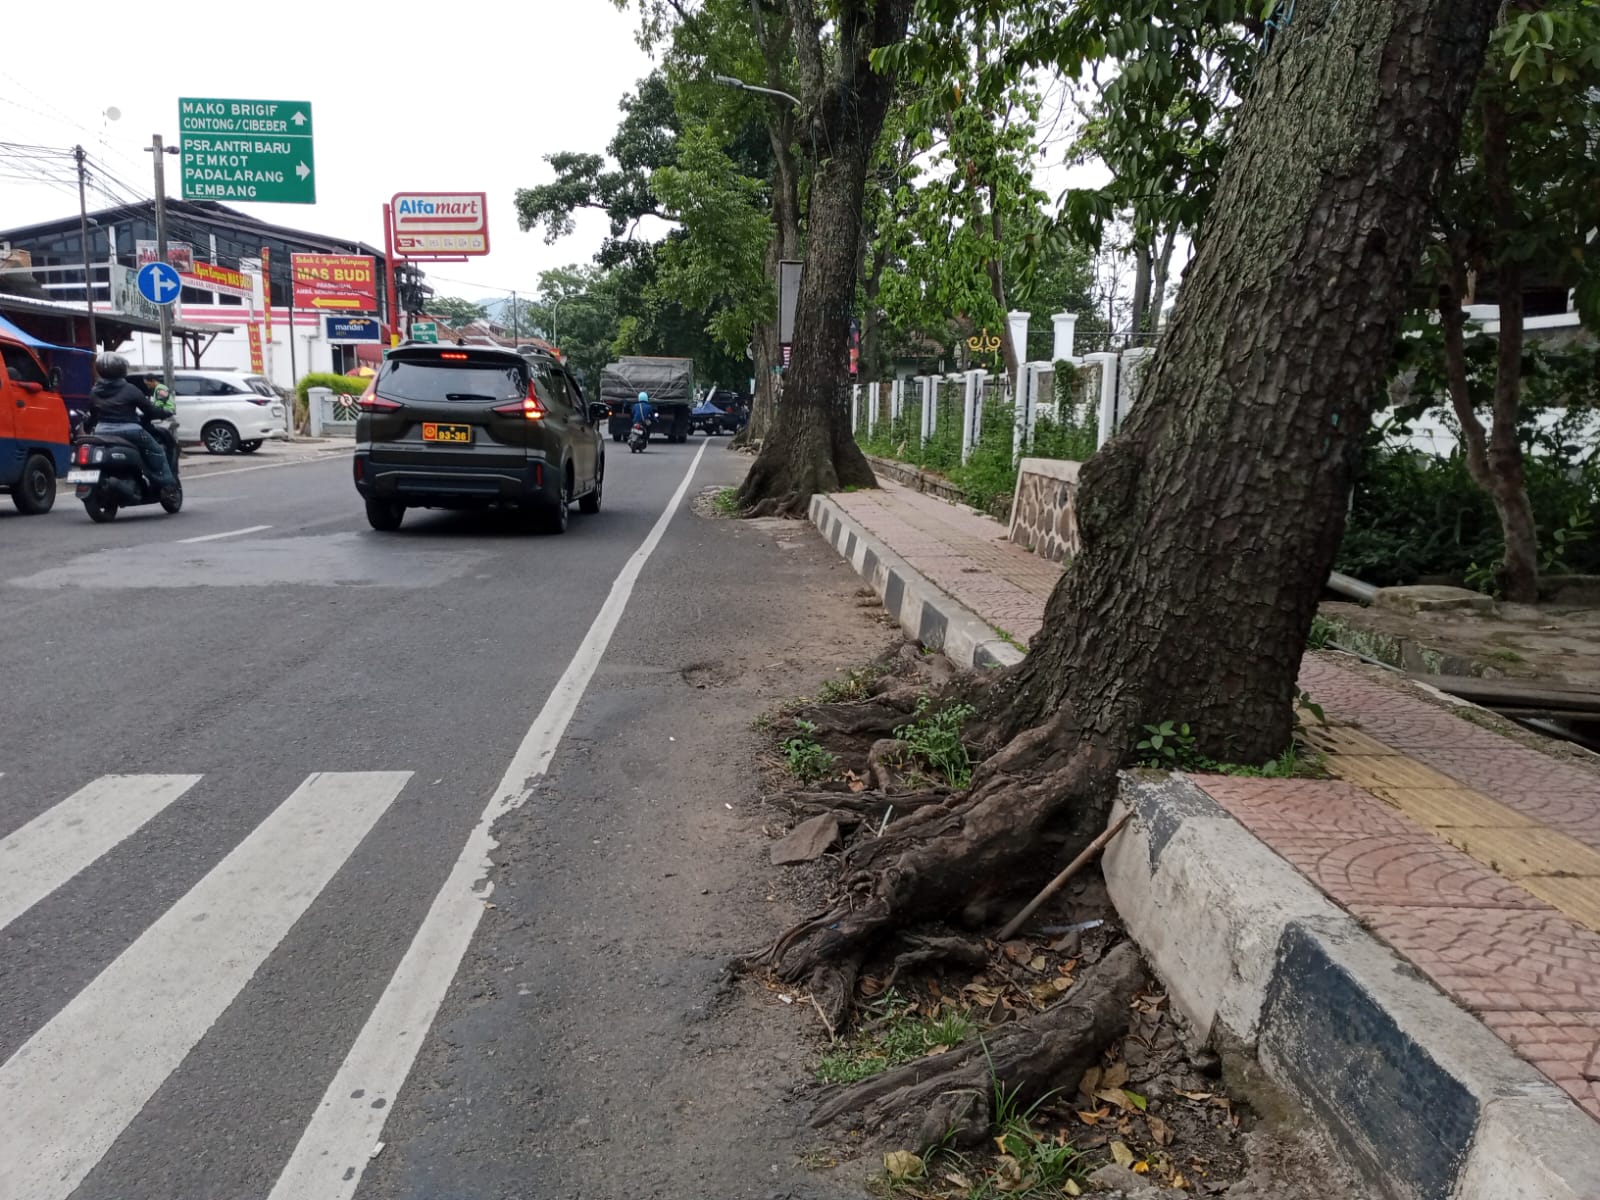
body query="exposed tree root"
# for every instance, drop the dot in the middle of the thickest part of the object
(926, 949)
(865, 804)
(949, 1098)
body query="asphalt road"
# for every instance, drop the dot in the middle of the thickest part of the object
(252, 756)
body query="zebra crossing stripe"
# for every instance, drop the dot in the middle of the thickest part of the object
(73, 1087)
(60, 842)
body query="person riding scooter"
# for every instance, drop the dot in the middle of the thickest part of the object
(116, 406)
(643, 411)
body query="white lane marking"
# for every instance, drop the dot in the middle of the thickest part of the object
(212, 537)
(322, 456)
(53, 847)
(334, 1150)
(72, 1088)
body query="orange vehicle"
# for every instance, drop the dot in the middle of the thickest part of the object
(35, 431)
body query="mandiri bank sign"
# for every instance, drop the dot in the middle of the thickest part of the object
(440, 223)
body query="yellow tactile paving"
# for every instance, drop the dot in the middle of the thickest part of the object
(1388, 771)
(1578, 898)
(1519, 852)
(1560, 870)
(1445, 808)
(1342, 739)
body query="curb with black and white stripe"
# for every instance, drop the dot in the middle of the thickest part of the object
(924, 611)
(1421, 1098)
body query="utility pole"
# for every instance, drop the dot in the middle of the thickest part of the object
(83, 239)
(159, 150)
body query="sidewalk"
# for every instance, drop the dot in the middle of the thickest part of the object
(1474, 856)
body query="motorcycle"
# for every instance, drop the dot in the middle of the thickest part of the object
(638, 438)
(109, 472)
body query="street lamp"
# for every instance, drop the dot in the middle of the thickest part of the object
(742, 86)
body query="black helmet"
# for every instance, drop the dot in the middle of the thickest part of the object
(111, 366)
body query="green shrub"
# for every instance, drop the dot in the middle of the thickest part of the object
(341, 385)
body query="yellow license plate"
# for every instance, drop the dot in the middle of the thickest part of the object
(460, 435)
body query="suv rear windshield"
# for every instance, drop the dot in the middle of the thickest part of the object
(260, 386)
(430, 380)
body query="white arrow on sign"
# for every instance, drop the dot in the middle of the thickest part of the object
(303, 171)
(166, 285)
(299, 118)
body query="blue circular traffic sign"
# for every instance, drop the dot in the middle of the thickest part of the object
(159, 283)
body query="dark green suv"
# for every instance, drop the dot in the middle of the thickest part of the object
(476, 427)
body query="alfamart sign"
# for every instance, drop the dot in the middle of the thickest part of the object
(429, 223)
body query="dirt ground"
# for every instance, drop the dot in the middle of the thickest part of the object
(1159, 1117)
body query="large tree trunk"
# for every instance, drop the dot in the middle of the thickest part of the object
(1210, 523)
(811, 448)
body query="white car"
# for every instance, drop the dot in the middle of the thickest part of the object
(226, 411)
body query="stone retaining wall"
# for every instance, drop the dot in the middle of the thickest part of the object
(1044, 515)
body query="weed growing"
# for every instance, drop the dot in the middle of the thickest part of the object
(726, 502)
(808, 761)
(899, 1033)
(933, 740)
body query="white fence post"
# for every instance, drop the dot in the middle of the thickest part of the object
(874, 394)
(855, 406)
(1109, 369)
(1018, 321)
(969, 414)
(314, 403)
(930, 407)
(1066, 325)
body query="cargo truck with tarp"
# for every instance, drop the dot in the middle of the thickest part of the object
(669, 382)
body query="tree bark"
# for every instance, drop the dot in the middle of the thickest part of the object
(1209, 524)
(811, 448)
(1520, 567)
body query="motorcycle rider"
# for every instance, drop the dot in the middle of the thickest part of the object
(643, 411)
(115, 406)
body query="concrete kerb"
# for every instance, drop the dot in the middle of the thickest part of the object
(924, 612)
(1423, 1100)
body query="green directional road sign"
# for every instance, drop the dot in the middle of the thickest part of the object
(424, 331)
(247, 150)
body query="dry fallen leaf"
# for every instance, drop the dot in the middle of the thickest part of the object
(1071, 1188)
(1090, 1081)
(902, 1164)
(1116, 1075)
(1038, 963)
(1141, 1168)
(1160, 1131)
(1196, 1096)
(1008, 1173)
(1178, 1181)
(1115, 1096)
(957, 1179)
(1095, 1117)
(1121, 1154)
(1017, 951)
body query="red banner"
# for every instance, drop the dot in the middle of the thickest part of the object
(338, 283)
(210, 277)
(256, 363)
(266, 286)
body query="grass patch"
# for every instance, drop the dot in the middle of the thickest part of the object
(1030, 1163)
(808, 761)
(896, 1032)
(1504, 655)
(726, 502)
(856, 684)
(933, 741)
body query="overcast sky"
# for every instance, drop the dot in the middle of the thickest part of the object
(404, 98)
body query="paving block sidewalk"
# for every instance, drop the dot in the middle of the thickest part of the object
(1472, 854)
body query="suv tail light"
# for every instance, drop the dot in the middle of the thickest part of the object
(529, 406)
(83, 453)
(372, 402)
